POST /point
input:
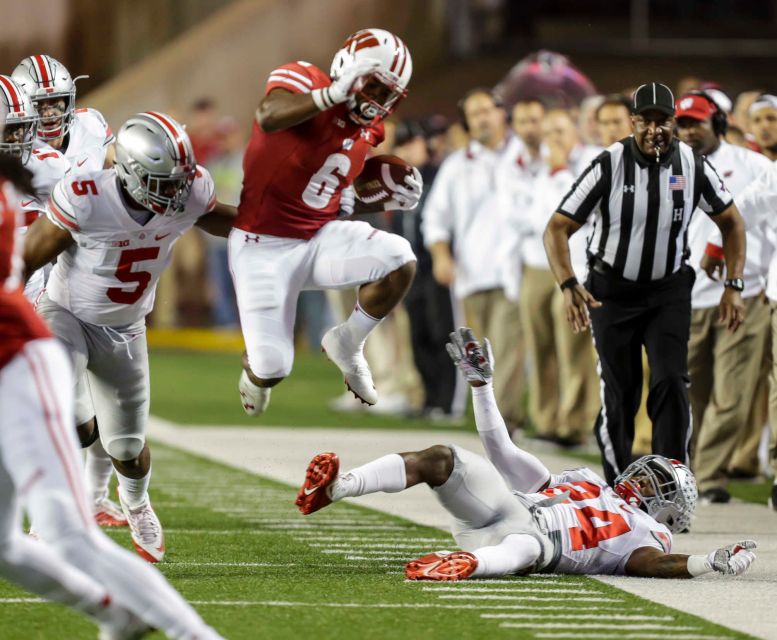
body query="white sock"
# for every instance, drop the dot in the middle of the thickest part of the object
(384, 474)
(521, 470)
(99, 468)
(134, 491)
(359, 325)
(515, 552)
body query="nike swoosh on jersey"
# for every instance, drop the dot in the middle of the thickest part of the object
(82, 162)
(164, 235)
(26, 203)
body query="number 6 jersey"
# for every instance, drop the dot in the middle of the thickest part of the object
(108, 276)
(595, 528)
(293, 178)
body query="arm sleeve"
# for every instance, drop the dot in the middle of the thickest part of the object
(60, 210)
(438, 212)
(758, 201)
(205, 189)
(714, 195)
(521, 470)
(586, 193)
(294, 77)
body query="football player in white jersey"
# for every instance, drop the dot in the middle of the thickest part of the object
(86, 141)
(112, 232)
(75, 564)
(81, 135)
(512, 516)
(48, 166)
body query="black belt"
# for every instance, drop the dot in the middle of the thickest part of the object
(600, 266)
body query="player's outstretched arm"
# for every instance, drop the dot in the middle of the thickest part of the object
(218, 221)
(733, 560)
(521, 470)
(43, 242)
(281, 109)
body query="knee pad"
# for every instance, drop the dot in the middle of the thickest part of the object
(268, 361)
(125, 448)
(400, 249)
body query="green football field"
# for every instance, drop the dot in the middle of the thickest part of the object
(241, 553)
(255, 568)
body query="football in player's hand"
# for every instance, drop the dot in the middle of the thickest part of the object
(380, 177)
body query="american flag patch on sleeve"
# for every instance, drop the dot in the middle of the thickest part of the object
(676, 183)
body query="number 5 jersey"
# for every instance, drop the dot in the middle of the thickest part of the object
(594, 530)
(108, 276)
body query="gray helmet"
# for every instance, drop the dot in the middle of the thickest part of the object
(44, 78)
(155, 162)
(20, 119)
(665, 488)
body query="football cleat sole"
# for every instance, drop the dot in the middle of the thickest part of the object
(321, 472)
(442, 567)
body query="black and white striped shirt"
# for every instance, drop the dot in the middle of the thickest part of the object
(643, 207)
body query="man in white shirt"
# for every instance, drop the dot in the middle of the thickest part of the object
(563, 385)
(722, 411)
(473, 242)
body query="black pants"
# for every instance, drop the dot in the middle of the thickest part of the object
(658, 316)
(431, 320)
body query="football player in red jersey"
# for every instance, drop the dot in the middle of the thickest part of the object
(310, 138)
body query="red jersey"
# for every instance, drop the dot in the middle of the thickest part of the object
(19, 323)
(293, 178)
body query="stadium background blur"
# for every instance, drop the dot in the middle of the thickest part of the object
(205, 62)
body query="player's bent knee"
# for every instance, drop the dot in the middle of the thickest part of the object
(436, 464)
(269, 362)
(125, 448)
(87, 433)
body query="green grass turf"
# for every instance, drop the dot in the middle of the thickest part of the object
(201, 388)
(218, 515)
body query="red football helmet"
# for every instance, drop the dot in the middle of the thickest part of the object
(381, 92)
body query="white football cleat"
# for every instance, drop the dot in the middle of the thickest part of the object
(108, 514)
(254, 399)
(146, 530)
(353, 365)
(132, 629)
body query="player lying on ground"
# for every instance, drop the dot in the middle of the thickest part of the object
(512, 516)
(112, 232)
(74, 563)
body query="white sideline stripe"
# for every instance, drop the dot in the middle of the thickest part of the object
(669, 635)
(350, 546)
(595, 625)
(375, 558)
(356, 605)
(376, 539)
(327, 527)
(231, 564)
(538, 598)
(294, 521)
(574, 616)
(504, 581)
(532, 589)
(367, 552)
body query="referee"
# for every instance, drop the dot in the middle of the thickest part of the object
(643, 191)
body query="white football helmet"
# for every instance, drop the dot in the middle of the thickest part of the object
(44, 78)
(155, 162)
(664, 488)
(21, 120)
(388, 85)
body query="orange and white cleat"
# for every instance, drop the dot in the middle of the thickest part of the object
(109, 514)
(146, 531)
(442, 566)
(320, 474)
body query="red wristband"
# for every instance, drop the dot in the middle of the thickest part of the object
(714, 251)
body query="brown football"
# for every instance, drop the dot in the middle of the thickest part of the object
(379, 178)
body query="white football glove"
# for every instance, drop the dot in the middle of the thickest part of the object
(347, 202)
(350, 81)
(407, 195)
(734, 559)
(474, 361)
